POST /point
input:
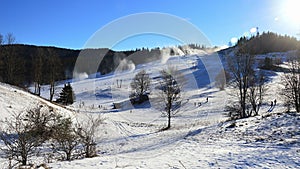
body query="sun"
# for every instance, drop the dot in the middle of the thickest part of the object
(291, 11)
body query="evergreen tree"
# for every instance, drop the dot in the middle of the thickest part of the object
(67, 95)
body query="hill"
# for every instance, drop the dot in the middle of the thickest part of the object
(200, 136)
(267, 42)
(19, 63)
(22, 60)
(15, 100)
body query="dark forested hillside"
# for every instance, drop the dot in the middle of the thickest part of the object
(19, 63)
(269, 42)
(25, 64)
(264, 43)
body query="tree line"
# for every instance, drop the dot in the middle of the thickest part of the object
(268, 42)
(22, 65)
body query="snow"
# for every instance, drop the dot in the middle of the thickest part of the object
(200, 136)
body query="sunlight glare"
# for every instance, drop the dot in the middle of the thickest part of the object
(234, 40)
(253, 30)
(291, 11)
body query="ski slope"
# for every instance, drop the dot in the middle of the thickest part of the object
(200, 137)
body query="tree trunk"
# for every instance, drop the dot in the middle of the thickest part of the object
(169, 119)
(51, 91)
(68, 155)
(35, 88)
(39, 89)
(24, 160)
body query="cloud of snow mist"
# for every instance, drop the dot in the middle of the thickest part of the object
(80, 76)
(126, 65)
(165, 55)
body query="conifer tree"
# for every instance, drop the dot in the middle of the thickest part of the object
(67, 95)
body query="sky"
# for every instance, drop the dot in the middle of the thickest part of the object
(70, 23)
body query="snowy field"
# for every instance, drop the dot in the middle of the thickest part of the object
(200, 137)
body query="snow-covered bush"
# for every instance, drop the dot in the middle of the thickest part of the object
(25, 131)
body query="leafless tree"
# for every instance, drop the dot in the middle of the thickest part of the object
(291, 82)
(257, 90)
(12, 68)
(54, 70)
(38, 63)
(24, 132)
(241, 68)
(1, 39)
(140, 85)
(170, 95)
(2, 67)
(10, 38)
(65, 138)
(86, 131)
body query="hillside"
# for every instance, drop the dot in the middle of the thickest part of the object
(15, 100)
(24, 58)
(267, 42)
(200, 136)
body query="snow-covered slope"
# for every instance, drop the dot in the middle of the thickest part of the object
(199, 137)
(14, 100)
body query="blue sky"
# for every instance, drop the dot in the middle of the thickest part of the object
(70, 23)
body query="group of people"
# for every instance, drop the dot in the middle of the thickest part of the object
(273, 103)
(199, 103)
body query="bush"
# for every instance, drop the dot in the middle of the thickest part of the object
(25, 131)
(86, 131)
(65, 138)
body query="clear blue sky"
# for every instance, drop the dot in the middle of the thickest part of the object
(70, 23)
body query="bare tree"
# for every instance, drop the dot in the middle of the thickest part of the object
(2, 64)
(140, 86)
(291, 82)
(86, 131)
(1, 39)
(257, 90)
(170, 95)
(38, 63)
(10, 38)
(12, 67)
(65, 138)
(53, 70)
(24, 132)
(241, 68)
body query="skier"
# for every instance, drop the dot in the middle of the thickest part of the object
(271, 103)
